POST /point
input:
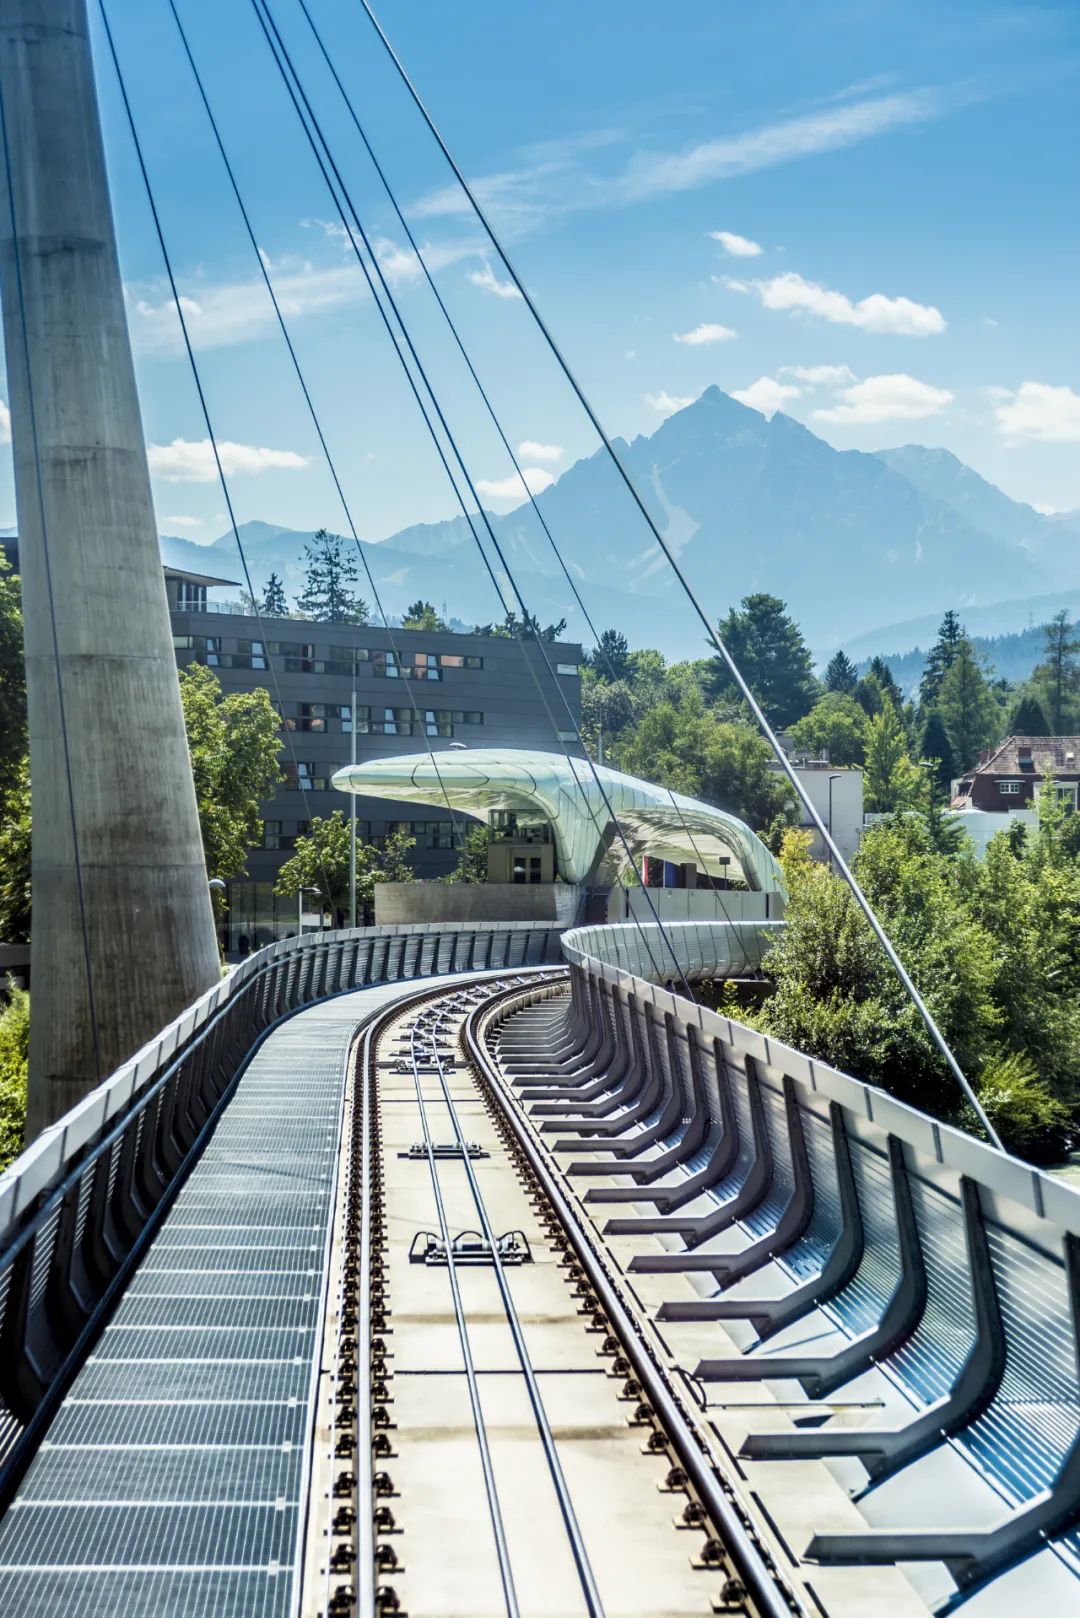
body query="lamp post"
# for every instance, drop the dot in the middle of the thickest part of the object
(352, 801)
(832, 778)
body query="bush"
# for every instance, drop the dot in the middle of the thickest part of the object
(1032, 1122)
(14, 1054)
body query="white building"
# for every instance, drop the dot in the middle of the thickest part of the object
(837, 795)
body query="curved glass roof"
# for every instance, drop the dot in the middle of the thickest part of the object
(562, 792)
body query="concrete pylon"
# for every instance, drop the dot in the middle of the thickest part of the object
(86, 519)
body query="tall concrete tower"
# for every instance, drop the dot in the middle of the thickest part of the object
(122, 922)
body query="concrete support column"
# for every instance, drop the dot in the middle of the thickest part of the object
(82, 487)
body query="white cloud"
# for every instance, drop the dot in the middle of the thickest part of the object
(886, 398)
(1043, 510)
(820, 376)
(706, 333)
(666, 404)
(488, 281)
(183, 522)
(737, 246)
(781, 142)
(537, 478)
(766, 394)
(530, 450)
(192, 461)
(899, 316)
(1039, 412)
(5, 423)
(554, 181)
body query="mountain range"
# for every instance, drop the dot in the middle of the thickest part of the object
(862, 546)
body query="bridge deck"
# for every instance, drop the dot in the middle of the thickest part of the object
(173, 1476)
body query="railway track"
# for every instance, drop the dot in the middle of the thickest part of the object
(501, 1429)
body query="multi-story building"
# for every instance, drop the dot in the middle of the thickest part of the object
(381, 692)
(1008, 777)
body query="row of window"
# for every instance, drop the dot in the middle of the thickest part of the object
(1066, 791)
(327, 717)
(303, 657)
(430, 834)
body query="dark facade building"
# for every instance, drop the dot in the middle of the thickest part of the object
(1009, 776)
(387, 692)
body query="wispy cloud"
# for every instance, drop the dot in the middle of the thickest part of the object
(666, 404)
(792, 293)
(536, 477)
(183, 522)
(488, 281)
(767, 394)
(530, 450)
(785, 141)
(1040, 412)
(706, 333)
(555, 180)
(887, 398)
(192, 460)
(737, 246)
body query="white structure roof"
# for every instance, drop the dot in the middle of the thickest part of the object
(563, 792)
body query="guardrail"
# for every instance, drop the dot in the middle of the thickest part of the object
(694, 949)
(949, 1268)
(80, 1204)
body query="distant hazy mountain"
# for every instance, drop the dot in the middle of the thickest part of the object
(850, 540)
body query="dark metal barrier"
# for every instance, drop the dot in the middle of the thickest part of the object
(80, 1204)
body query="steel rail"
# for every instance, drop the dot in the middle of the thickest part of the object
(502, 1549)
(765, 1586)
(586, 1576)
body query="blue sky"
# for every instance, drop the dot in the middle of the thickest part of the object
(864, 213)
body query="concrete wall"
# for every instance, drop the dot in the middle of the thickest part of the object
(847, 806)
(475, 901)
(693, 904)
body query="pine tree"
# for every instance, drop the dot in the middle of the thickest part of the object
(768, 647)
(841, 674)
(273, 603)
(1029, 717)
(939, 659)
(936, 748)
(967, 707)
(331, 572)
(611, 656)
(1059, 672)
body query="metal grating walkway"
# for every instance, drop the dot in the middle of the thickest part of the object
(171, 1481)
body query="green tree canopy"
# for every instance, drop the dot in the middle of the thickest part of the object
(422, 615)
(320, 862)
(233, 743)
(835, 728)
(772, 656)
(684, 748)
(328, 594)
(841, 675)
(15, 857)
(472, 865)
(892, 780)
(12, 672)
(967, 706)
(1059, 673)
(1029, 717)
(936, 748)
(610, 658)
(939, 659)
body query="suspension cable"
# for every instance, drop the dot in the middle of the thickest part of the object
(61, 705)
(284, 62)
(316, 422)
(204, 407)
(262, 9)
(711, 631)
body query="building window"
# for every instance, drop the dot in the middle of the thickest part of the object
(1010, 789)
(276, 836)
(304, 777)
(435, 834)
(567, 735)
(249, 654)
(1066, 793)
(296, 656)
(203, 648)
(566, 668)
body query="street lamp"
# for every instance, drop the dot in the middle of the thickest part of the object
(832, 778)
